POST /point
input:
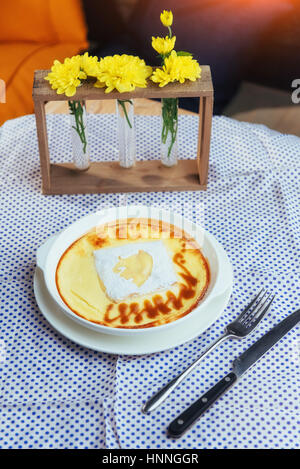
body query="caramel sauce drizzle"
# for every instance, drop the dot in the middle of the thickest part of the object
(158, 304)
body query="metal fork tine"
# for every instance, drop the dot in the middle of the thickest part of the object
(255, 319)
(249, 306)
(256, 308)
(261, 304)
(249, 310)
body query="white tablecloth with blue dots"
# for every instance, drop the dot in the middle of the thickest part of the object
(56, 394)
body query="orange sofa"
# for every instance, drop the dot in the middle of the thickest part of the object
(32, 34)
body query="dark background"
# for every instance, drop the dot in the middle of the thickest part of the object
(253, 40)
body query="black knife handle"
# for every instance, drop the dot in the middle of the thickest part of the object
(192, 413)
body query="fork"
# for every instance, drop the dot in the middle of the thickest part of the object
(241, 327)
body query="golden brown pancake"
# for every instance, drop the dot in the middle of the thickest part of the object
(81, 288)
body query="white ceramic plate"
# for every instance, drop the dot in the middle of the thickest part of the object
(126, 345)
(50, 253)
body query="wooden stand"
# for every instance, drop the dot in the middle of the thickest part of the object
(145, 176)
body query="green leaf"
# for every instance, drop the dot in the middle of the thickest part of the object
(182, 52)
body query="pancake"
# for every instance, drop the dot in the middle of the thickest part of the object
(133, 273)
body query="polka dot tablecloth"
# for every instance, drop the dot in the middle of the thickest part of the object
(56, 394)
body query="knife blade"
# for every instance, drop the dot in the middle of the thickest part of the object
(239, 366)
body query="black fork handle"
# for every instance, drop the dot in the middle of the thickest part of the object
(182, 423)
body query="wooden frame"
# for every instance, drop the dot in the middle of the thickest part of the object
(145, 176)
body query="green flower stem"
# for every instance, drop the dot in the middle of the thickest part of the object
(169, 113)
(76, 109)
(122, 103)
(170, 121)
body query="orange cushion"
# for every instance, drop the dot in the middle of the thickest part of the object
(42, 21)
(18, 62)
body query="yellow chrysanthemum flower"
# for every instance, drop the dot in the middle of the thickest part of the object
(166, 17)
(163, 45)
(122, 72)
(65, 77)
(177, 68)
(89, 64)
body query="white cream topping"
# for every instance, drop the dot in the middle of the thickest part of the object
(159, 277)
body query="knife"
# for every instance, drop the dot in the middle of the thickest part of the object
(240, 365)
